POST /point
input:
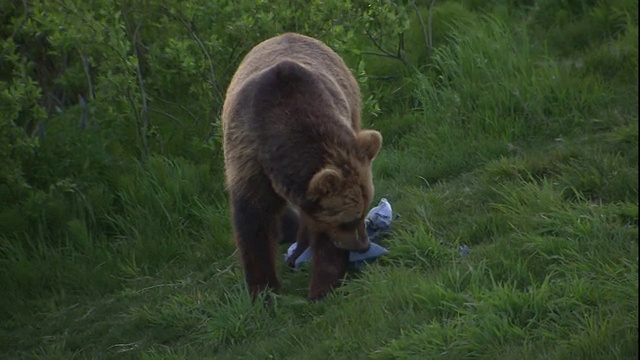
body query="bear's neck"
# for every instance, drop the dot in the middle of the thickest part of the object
(295, 163)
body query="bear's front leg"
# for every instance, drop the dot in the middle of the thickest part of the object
(329, 265)
(256, 228)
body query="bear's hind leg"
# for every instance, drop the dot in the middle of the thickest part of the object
(256, 228)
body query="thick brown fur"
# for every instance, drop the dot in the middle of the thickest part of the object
(292, 136)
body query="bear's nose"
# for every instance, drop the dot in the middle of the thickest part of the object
(363, 245)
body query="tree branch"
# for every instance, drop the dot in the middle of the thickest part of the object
(84, 119)
(384, 52)
(400, 45)
(195, 118)
(378, 45)
(422, 26)
(86, 65)
(144, 111)
(166, 114)
(433, 4)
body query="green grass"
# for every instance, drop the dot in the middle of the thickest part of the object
(499, 145)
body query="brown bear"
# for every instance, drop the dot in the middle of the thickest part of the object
(292, 137)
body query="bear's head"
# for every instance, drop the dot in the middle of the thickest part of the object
(341, 196)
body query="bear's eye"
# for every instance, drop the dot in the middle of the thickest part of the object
(350, 225)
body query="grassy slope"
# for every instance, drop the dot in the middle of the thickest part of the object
(532, 165)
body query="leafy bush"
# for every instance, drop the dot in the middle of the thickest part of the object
(111, 122)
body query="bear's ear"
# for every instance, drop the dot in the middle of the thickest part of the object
(324, 182)
(369, 143)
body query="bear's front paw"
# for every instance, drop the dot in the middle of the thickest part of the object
(319, 291)
(258, 289)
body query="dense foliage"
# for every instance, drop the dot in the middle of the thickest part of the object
(110, 150)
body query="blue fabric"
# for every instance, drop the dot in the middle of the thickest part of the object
(355, 258)
(378, 224)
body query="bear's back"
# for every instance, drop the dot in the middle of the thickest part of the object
(312, 55)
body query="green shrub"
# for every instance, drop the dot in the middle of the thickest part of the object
(110, 131)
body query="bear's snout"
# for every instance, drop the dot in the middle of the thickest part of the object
(359, 244)
(365, 248)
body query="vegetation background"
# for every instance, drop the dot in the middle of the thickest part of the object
(510, 127)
